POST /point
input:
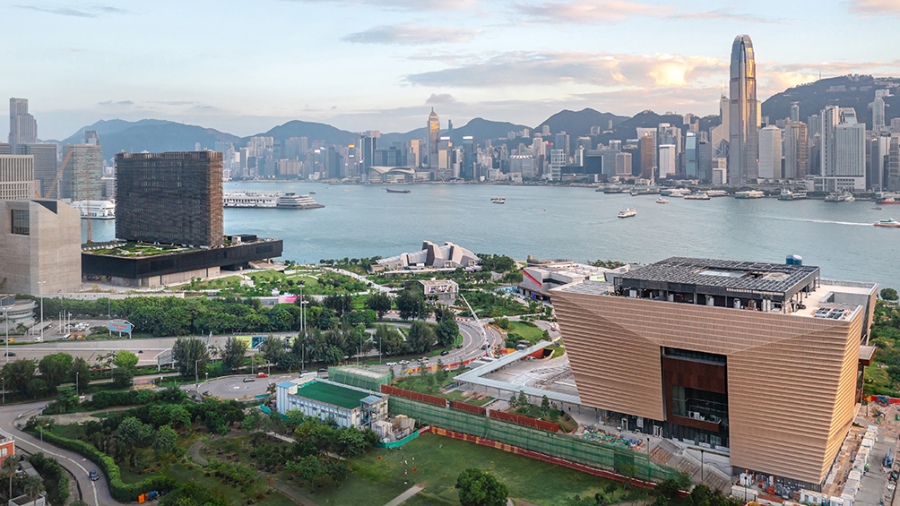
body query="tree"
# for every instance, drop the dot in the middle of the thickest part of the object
(421, 337)
(389, 339)
(18, 374)
(133, 433)
(889, 294)
(123, 377)
(447, 331)
(441, 374)
(164, 440)
(478, 488)
(33, 486)
(380, 303)
(411, 304)
(545, 405)
(125, 359)
(55, 367)
(81, 373)
(334, 356)
(190, 356)
(233, 353)
(8, 470)
(272, 349)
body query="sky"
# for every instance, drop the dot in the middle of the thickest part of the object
(245, 66)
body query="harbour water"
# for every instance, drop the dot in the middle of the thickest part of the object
(572, 223)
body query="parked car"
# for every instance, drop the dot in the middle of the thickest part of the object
(445, 353)
(248, 380)
(9, 354)
(390, 364)
(94, 476)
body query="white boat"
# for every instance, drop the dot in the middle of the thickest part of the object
(270, 200)
(749, 194)
(628, 213)
(294, 201)
(697, 196)
(96, 209)
(717, 193)
(675, 192)
(840, 197)
(662, 200)
(888, 223)
(498, 200)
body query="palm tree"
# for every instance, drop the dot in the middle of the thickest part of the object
(8, 470)
(33, 487)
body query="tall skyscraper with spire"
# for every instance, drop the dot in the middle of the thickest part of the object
(434, 136)
(22, 126)
(743, 114)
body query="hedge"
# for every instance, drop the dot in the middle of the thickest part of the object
(120, 491)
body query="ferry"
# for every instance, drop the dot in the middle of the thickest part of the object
(96, 209)
(749, 194)
(717, 193)
(393, 190)
(662, 200)
(840, 197)
(675, 192)
(276, 200)
(887, 200)
(498, 200)
(628, 213)
(644, 190)
(614, 189)
(888, 223)
(697, 196)
(786, 194)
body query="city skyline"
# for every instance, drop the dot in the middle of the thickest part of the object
(365, 65)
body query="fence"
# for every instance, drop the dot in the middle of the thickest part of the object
(595, 454)
(415, 396)
(534, 423)
(469, 408)
(365, 379)
(400, 442)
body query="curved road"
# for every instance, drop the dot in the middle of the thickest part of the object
(95, 493)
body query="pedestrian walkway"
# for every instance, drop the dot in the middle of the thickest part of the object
(402, 498)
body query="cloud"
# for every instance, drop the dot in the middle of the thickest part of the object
(116, 102)
(410, 35)
(517, 69)
(721, 14)
(874, 7)
(588, 11)
(417, 5)
(89, 11)
(442, 98)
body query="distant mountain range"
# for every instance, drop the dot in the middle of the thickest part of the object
(162, 135)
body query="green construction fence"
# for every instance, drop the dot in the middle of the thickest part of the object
(365, 379)
(621, 460)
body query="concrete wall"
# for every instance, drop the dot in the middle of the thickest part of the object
(48, 260)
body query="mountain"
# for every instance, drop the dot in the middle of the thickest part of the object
(151, 135)
(578, 124)
(845, 91)
(313, 131)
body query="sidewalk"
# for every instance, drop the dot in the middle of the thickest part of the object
(402, 498)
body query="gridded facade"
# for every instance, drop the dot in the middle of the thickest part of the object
(16, 177)
(170, 198)
(83, 173)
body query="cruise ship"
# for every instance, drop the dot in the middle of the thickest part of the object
(96, 209)
(275, 200)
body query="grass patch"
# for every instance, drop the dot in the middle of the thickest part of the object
(184, 473)
(438, 462)
(878, 381)
(456, 395)
(527, 331)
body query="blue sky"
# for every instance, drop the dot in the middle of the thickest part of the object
(243, 67)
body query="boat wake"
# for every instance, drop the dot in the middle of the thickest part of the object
(829, 222)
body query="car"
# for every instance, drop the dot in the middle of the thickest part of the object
(140, 351)
(9, 354)
(390, 364)
(322, 370)
(94, 475)
(458, 346)
(248, 380)
(445, 353)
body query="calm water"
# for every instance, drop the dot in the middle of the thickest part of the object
(573, 223)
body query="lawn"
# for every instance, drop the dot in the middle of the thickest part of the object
(183, 473)
(438, 461)
(527, 331)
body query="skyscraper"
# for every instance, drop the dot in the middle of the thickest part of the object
(770, 152)
(16, 177)
(171, 198)
(434, 137)
(22, 126)
(743, 114)
(796, 151)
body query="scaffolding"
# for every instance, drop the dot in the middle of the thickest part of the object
(359, 378)
(620, 460)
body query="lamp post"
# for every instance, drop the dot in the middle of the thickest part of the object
(41, 291)
(196, 377)
(76, 383)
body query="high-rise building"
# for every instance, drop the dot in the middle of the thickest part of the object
(795, 112)
(691, 167)
(623, 165)
(667, 160)
(719, 135)
(170, 198)
(878, 114)
(796, 151)
(45, 168)
(716, 352)
(368, 144)
(22, 126)
(562, 142)
(743, 115)
(829, 119)
(16, 177)
(770, 152)
(647, 150)
(434, 137)
(82, 176)
(557, 162)
(893, 165)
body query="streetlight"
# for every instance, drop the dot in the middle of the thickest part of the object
(41, 291)
(196, 377)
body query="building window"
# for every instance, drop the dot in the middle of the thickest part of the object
(20, 222)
